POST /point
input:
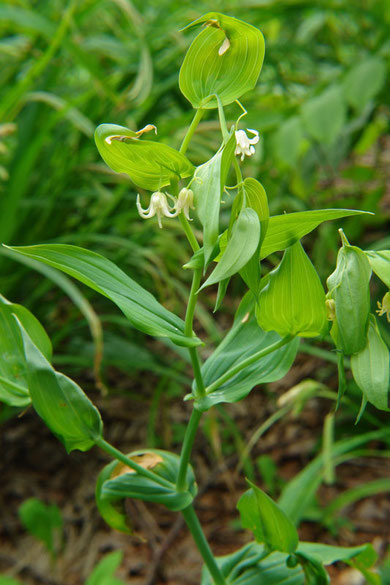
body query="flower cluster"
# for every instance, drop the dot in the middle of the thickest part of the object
(159, 205)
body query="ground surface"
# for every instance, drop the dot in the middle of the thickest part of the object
(34, 464)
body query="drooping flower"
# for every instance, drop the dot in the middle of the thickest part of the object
(185, 202)
(244, 145)
(384, 306)
(158, 206)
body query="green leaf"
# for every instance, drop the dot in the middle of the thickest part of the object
(314, 570)
(380, 264)
(150, 165)
(125, 483)
(4, 580)
(240, 248)
(208, 188)
(370, 368)
(349, 289)
(284, 230)
(103, 573)
(256, 199)
(42, 521)
(328, 554)
(13, 376)
(324, 116)
(60, 402)
(364, 81)
(206, 72)
(269, 524)
(253, 565)
(292, 302)
(140, 307)
(243, 340)
(113, 512)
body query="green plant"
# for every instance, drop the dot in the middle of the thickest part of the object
(289, 302)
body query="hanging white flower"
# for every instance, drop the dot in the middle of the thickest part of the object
(185, 202)
(244, 144)
(158, 206)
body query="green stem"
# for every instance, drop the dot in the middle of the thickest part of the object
(222, 120)
(192, 427)
(188, 232)
(111, 450)
(195, 528)
(200, 388)
(190, 132)
(250, 360)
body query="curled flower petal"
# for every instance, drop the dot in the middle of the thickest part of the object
(384, 306)
(158, 206)
(185, 202)
(244, 144)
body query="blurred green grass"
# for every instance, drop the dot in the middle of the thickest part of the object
(321, 107)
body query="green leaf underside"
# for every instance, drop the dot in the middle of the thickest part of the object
(208, 188)
(293, 300)
(240, 248)
(60, 402)
(150, 165)
(139, 306)
(285, 230)
(204, 72)
(370, 368)
(243, 340)
(380, 264)
(133, 485)
(349, 288)
(13, 376)
(252, 565)
(113, 511)
(269, 524)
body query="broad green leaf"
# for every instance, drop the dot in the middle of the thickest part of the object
(370, 368)
(42, 521)
(324, 116)
(349, 289)
(150, 165)
(329, 554)
(364, 81)
(60, 402)
(269, 524)
(284, 230)
(224, 59)
(255, 198)
(240, 248)
(139, 306)
(13, 377)
(4, 580)
(380, 264)
(243, 340)
(103, 573)
(208, 188)
(293, 300)
(125, 483)
(253, 565)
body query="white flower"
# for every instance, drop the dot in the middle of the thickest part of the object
(244, 144)
(158, 206)
(185, 202)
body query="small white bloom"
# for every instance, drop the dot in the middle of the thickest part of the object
(185, 202)
(158, 206)
(244, 144)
